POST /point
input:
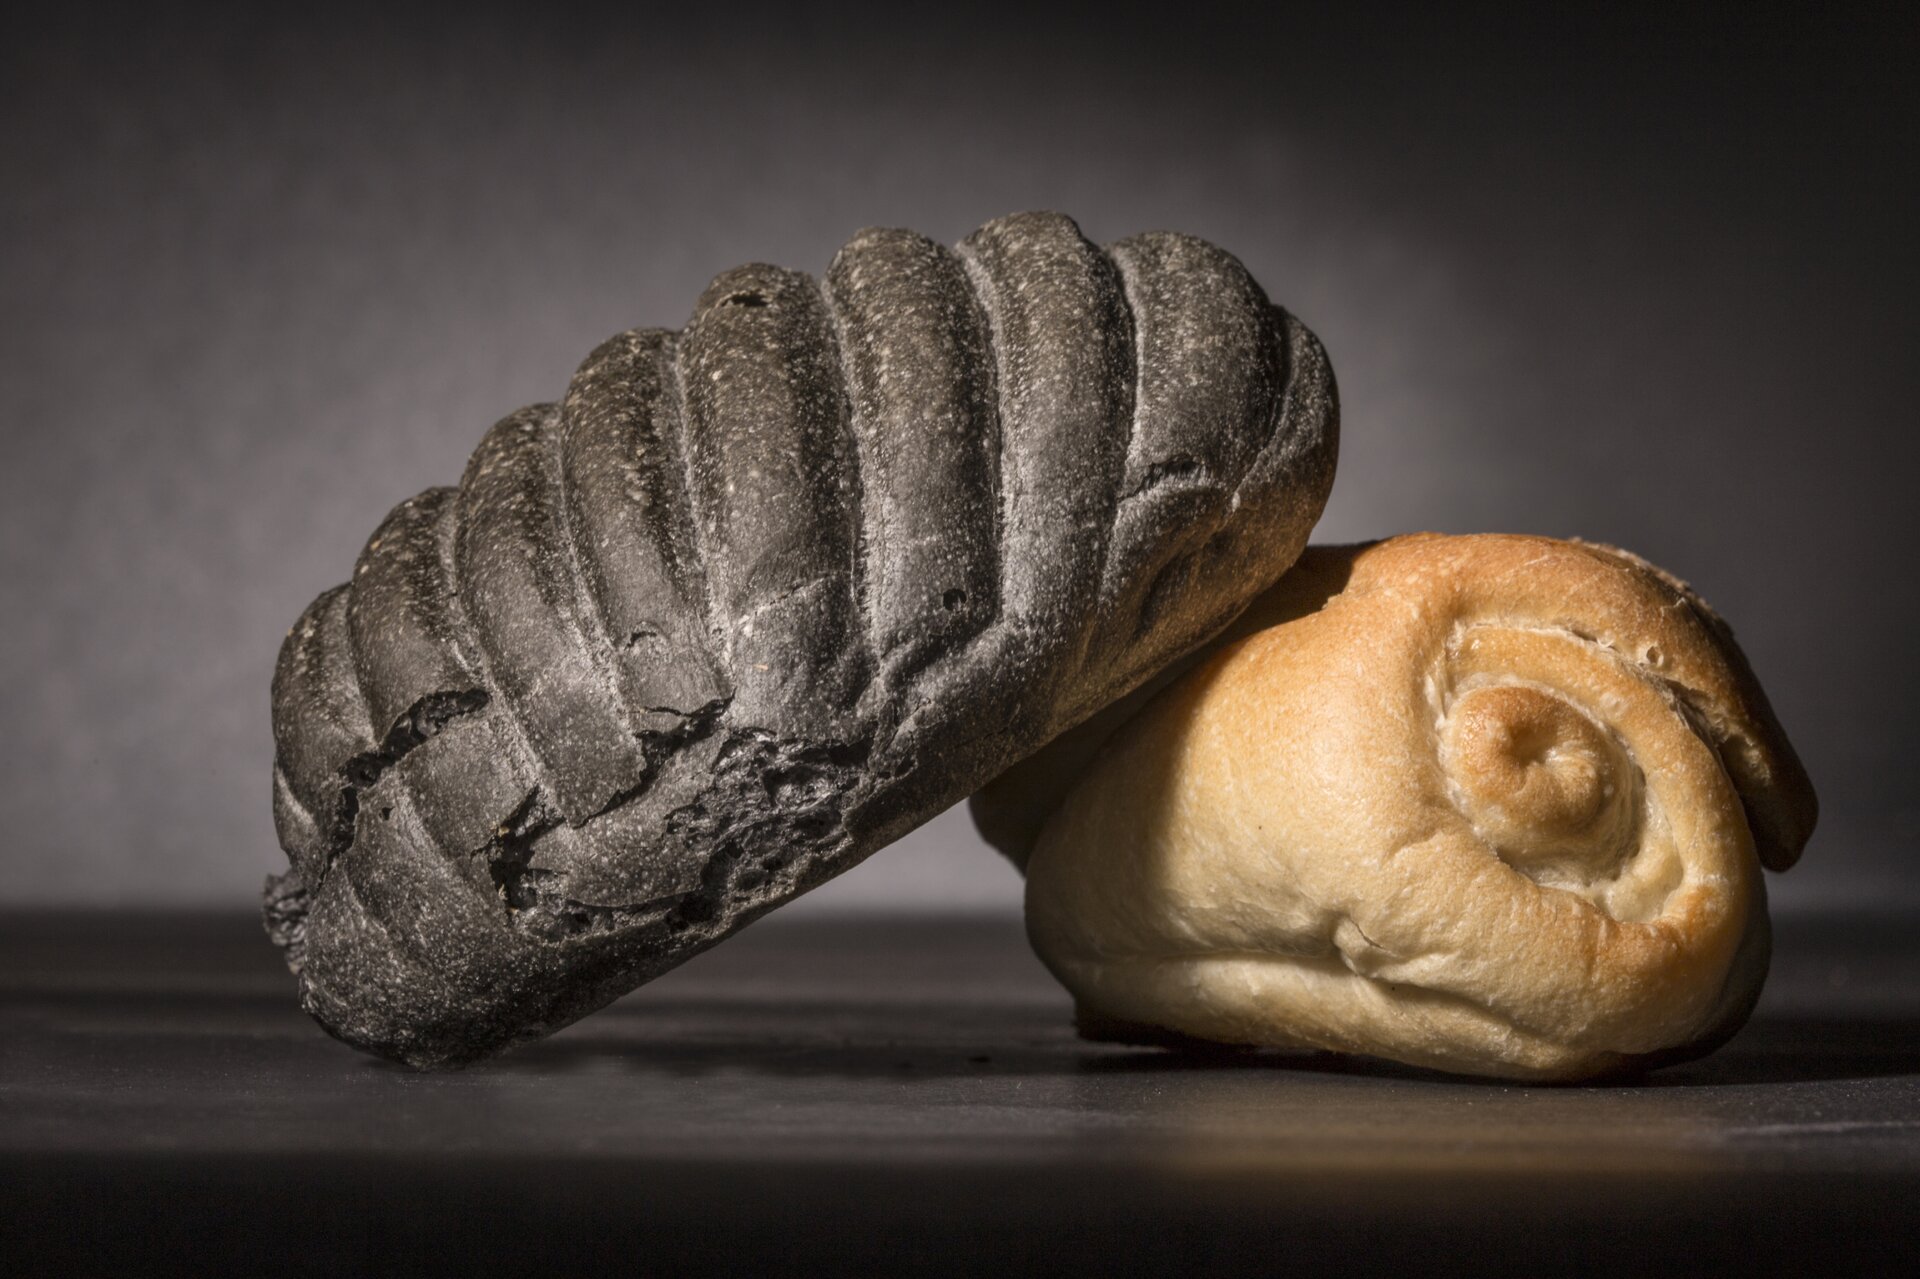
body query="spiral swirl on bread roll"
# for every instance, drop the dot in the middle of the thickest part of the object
(1487, 804)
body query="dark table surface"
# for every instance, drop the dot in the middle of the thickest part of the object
(906, 1094)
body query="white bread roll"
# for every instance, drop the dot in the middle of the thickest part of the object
(1485, 804)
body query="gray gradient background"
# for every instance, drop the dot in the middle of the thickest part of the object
(1651, 285)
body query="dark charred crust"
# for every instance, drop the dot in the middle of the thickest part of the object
(756, 598)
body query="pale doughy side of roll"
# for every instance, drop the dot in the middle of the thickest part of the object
(1487, 804)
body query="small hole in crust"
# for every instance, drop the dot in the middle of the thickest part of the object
(746, 297)
(954, 599)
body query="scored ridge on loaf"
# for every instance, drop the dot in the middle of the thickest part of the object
(757, 597)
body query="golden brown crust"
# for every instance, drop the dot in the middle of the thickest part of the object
(1781, 805)
(1480, 803)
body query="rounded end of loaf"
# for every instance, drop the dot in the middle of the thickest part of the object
(435, 987)
(1495, 805)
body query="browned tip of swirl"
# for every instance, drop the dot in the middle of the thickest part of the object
(1533, 770)
(1774, 787)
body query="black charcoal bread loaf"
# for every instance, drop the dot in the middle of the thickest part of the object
(758, 597)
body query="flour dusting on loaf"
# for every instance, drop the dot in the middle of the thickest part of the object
(758, 596)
